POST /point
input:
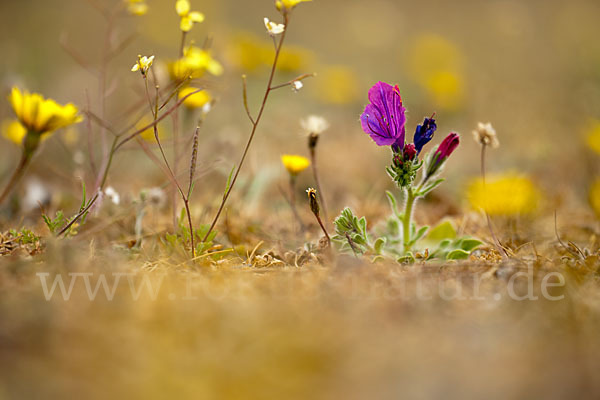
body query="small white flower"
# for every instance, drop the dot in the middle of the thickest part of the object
(206, 108)
(274, 28)
(297, 85)
(485, 134)
(314, 124)
(112, 194)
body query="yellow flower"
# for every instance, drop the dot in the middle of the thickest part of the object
(294, 164)
(143, 64)
(594, 196)
(188, 18)
(273, 28)
(137, 7)
(197, 100)
(288, 5)
(593, 136)
(194, 63)
(39, 115)
(509, 195)
(14, 131)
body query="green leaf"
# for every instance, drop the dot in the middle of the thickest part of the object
(444, 230)
(378, 246)
(457, 254)
(468, 244)
(228, 184)
(419, 235)
(424, 192)
(393, 204)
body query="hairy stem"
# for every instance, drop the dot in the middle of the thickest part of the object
(407, 218)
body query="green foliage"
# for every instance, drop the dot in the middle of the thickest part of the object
(56, 223)
(181, 240)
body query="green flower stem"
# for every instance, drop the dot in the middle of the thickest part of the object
(407, 218)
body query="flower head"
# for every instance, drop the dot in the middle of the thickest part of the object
(485, 135)
(195, 100)
(441, 154)
(296, 86)
(137, 7)
(424, 133)
(312, 199)
(143, 64)
(188, 17)
(294, 163)
(39, 115)
(384, 118)
(273, 28)
(287, 5)
(314, 124)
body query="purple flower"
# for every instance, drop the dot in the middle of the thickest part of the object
(424, 133)
(441, 154)
(384, 118)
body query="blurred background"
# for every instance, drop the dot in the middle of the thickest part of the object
(531, 68)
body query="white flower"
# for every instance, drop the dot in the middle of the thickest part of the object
(297, 85)
(485, 134)
(112, 194)
(314, 124)
(274, 28)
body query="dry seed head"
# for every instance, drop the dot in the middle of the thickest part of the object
(312, 199)
(485, 135)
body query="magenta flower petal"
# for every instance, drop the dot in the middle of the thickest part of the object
(384, 119)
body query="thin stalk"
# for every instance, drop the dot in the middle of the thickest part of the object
(499, 247)
(293, 201)
(315, 170)
(253, 131)
(16, 176)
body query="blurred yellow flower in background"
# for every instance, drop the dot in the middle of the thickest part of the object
(137, 7)
(197, 100)
(148, 134)
(250, 53)
(188, 17)
(437, 65)
(509, 194)
(592, 137)
(337, 84)
(39, 115)
(194, 63)
(14, 131)
(294, 163)
(594, 196)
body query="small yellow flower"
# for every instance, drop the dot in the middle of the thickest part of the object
(294, 164)
(137, 7)
(508, 195)
(143, 64)
(14, 131)
(188, 18)
(273, 28)
(287, 5)
(196, 100)
(39, 115)
(593, 136)
(594, 196)
(194, 63)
